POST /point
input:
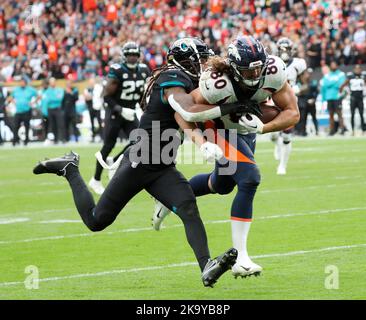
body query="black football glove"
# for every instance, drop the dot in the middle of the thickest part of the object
(248, 106)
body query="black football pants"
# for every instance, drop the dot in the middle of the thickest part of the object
(167, 185)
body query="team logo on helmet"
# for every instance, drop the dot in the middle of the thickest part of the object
(233, 50)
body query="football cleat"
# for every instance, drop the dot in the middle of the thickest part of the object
(160, 212)
(96, 186)
(246, 269)
(281, 170)
(57, 165)
(215, 268)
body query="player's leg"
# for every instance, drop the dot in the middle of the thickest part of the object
(118, 193)
(201, 185)
(181, 200)
(277, 140)
(285, 151)
(112, 128)
(353, 111)
(361, 108)
(340, 116)
(331, 117)
(27, 119)
(128, 127)
(247, 178)
(313, 116)
(17, 122)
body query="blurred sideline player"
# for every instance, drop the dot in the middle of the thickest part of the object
(294, 68)
(123, 90)
(356, 80)
(169, 86)
(248, 73)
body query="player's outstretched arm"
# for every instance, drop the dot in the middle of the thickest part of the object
(286, 100)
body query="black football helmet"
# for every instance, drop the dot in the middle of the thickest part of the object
(248, 61)
(286, 49)
(131, 54)
(189, 54)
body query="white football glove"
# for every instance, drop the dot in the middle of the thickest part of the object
(211, 151)
(251, 123)
(128, 114)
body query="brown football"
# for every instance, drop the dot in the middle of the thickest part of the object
(269, 111)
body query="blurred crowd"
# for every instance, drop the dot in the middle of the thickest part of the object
(76, 39)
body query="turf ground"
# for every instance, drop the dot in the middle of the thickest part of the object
(310, 219)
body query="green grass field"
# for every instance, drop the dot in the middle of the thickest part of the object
(313, 217)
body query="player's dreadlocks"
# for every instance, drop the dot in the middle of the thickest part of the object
(152, 79)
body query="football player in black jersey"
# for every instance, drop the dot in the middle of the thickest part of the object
(356, 81)
(168, 88)
(124, 88)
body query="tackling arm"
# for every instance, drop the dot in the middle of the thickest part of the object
(192, 107)
(286, 100)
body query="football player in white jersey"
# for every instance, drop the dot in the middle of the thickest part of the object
(247, 73)
(294, 68)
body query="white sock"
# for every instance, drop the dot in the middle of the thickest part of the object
(240, 231)
(277, 140)
(285, 154)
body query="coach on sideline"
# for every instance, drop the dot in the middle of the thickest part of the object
(53, 101)
(22, 96)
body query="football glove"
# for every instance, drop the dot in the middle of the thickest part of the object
(128, 114)
(251, 123)
(211, 151)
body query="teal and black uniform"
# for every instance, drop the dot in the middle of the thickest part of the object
(129, 93)
(162, 181)
(159, 117)
(23, 111)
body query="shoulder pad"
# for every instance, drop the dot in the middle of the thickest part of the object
(116, 66)
(300, 65)
(276, 74)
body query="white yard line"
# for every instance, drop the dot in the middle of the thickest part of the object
(46, 193)
(12, 220)
(89, 234)
(179, 265)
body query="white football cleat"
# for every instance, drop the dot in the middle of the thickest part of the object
(246, 269)
(160, 212)
(281, 170)
(96, 186)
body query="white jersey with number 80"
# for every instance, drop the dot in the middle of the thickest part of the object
(217, 88)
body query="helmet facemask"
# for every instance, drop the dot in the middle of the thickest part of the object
(194, 64)
(132, 60)
(252, 76)
(285, 53)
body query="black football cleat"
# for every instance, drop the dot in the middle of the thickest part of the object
(215, 268)
(57, 165)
